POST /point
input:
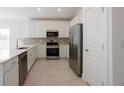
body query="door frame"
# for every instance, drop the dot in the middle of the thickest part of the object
(109, 47)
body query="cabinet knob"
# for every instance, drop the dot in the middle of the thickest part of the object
(86, 50)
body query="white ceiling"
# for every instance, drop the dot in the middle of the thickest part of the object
(32, 13)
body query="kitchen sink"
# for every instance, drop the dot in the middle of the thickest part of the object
(23, 47)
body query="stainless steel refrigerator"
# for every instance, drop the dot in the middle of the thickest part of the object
(76, 48)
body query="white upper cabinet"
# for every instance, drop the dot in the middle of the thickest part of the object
(63, 27)
(30, 30)
(38, 29)
(52, 25)
(42, 29)
(66, 29)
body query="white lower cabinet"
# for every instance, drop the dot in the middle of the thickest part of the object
(11, 74)
(1, 74)
(64, 50)
(42, 50)
(32, 55)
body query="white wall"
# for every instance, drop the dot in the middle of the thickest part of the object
(118, 45)
(79, 18)
(18, 28)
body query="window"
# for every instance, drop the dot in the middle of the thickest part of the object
(4, 38)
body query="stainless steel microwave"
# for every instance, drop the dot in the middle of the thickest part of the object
(52, 34)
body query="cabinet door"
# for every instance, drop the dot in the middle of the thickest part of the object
(30, 58)
(1, 75)
(12, 76)
(66, 29)
(42, 50)
(32, 55)
(61, 28)
(30, 31)
(35, 53)
(63, 51)
(36, 28)
(52, 25)
(42, 29)
(49, 25)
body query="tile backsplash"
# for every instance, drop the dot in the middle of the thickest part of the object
(28, 41)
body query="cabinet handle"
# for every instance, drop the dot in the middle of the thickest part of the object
(86, 50)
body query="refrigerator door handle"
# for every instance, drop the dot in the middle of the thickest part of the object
(71, 41)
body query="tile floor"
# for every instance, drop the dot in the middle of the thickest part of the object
(53, 73)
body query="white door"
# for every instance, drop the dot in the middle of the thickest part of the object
(94, 46)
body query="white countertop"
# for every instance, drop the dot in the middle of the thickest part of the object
(9, 53)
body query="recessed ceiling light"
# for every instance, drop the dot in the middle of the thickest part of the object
(59, 9)
(38, 9)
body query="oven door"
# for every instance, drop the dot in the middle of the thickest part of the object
(52, 51)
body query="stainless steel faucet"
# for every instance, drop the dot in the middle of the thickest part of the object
(17, 45)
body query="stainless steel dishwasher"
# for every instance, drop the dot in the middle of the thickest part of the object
(22, 68)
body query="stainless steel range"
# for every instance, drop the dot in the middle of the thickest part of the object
(52, 45)
(52, 50)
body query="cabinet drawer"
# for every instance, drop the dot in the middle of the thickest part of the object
(11, 63)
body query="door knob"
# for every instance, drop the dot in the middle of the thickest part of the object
(86, 50)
